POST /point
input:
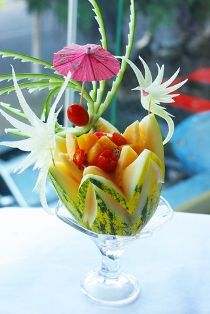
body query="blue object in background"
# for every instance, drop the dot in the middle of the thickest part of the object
(191, 145)
(187, 195)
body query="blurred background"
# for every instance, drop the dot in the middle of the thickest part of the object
(174, 33)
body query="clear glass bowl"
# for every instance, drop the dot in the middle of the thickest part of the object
(109, 285)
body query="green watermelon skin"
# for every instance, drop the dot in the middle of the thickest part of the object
(108, 219)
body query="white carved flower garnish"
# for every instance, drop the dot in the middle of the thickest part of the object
(40, 141)
(152, 93)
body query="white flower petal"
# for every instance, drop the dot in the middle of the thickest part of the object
(171, 79)
(27, 162)
(159, 77)
(174, 95)
(34, 120)
(138, 73)
(175, 87)
(153, 93)
(41, 186)
(24, 145)
(145, 101)
(58, 98)
(165, 99)
(148, 75)
(41, 142)
(21, 126)
(164, 114)
(137, 88)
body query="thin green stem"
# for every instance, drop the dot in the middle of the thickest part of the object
(100, 93)
(12, 110)
(15, 132)
(46, 105)
(102, 30)
(25, 58)
(117, 52)
(31, 76)
(93, 92)
(118, 80)
(82, 92)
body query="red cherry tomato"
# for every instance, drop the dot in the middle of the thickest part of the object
(118, 139)
(107, 160)
(77, 114)
(79, 158)
(100, 134)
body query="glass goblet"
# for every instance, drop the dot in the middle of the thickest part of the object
(109, 285)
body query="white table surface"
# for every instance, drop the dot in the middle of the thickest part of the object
(42, 260)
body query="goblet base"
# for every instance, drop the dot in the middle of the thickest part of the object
(110, 291)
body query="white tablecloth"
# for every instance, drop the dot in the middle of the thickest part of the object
(42, 260)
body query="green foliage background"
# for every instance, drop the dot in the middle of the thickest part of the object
(164, 11)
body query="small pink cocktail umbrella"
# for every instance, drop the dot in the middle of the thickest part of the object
(86, 63)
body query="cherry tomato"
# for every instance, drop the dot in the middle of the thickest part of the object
(79, 158)
(118, 139)
(77, 114)
(107, 160)
(100, 134)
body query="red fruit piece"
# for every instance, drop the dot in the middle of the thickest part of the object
(118, 139)
(107, 160)
(79, 158)
(77, 114)
(100, 134)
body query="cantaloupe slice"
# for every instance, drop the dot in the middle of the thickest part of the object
(68, 184)
(138, 178)
(127, 156)
(96, 171)
(71, 144)
(106, 143)
(92, 154)
(132, 135)
(67, 190)
(61, 144)
(134, 174)
(86, 141)
(62, 167)
(71, 168)
(151, 136)
(90, 209)
(103, 125)
(146, 200)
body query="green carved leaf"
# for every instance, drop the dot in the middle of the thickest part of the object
(118, 80)
(24, 58)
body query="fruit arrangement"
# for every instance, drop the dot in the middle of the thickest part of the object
(109, 181)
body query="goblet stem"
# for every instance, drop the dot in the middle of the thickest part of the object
(111, 251)
(110, 267)
(109, 285)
